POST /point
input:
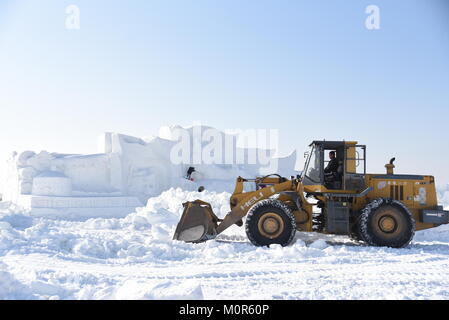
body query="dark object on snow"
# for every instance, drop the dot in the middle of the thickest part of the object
(201, 189)
(189, 172)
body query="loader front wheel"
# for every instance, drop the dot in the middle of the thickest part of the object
(386, 222)
(270, 222)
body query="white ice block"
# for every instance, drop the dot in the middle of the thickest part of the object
(78, 207)
(52, 184)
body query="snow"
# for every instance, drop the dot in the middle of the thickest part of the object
(10, 288)
(161, 290)
(135, 258)
(443, 196)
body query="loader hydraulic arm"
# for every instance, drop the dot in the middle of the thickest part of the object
(248, 199)
(198, 223)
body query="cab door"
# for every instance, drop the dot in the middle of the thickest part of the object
(355, 167)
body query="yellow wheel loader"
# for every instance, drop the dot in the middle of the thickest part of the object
(378, 209)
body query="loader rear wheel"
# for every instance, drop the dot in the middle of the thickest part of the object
(386, 222)
(270, 222)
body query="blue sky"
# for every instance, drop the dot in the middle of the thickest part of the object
(308, 68)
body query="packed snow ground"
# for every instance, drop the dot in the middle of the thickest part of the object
(135, 258)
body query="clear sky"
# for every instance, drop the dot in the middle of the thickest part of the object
(308, 68)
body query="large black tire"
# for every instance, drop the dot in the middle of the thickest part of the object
(386, 222)
(270, 222)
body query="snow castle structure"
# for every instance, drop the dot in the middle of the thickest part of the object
(126, 172)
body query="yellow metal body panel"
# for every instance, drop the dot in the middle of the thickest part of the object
(351, 155)
(323, 189)
(416, 192)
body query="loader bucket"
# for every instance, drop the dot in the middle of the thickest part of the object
(198, 222)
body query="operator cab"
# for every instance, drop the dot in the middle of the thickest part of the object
(346, 172)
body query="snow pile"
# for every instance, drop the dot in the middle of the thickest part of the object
(443, 196)
(141, 289)
(166, 210)
(11, 288)
(158, 290)
(135, 258)
(144, 234)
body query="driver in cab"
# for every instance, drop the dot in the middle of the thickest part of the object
(332, 166)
